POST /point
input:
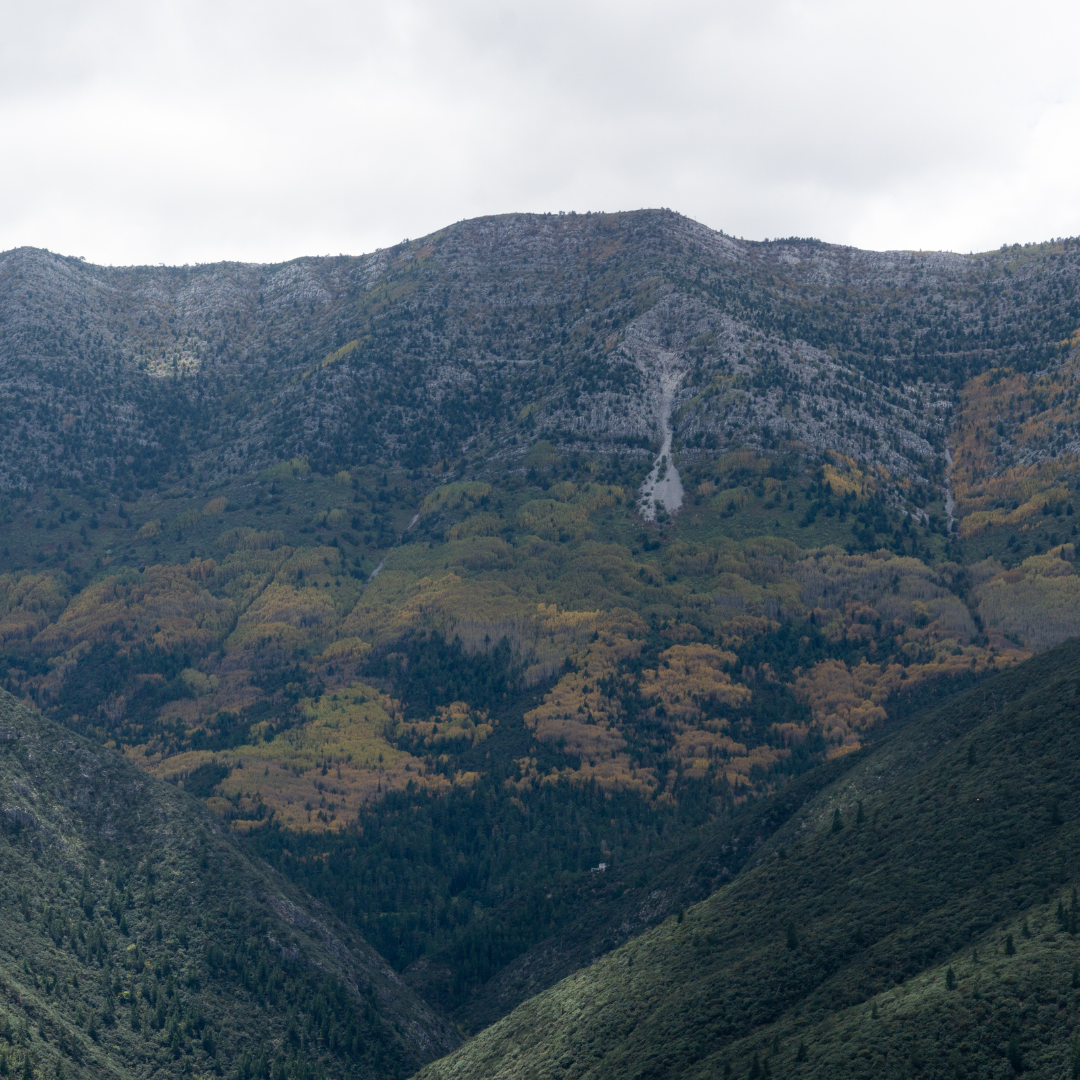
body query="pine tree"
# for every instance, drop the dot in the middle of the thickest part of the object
(860, 817)
(755, 1067)
(837, 824)
(950, 980)
(971, 754)
(1010, 948)
(792, 937)
(800, 1054)
(1025, 930)
(1012, 1052)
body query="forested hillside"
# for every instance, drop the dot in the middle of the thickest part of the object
(447, 575)
(138, 940)
(918, 917)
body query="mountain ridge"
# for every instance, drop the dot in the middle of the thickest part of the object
(653, 273)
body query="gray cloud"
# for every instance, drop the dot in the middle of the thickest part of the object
(195, 131)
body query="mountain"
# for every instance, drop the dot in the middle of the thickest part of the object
(136, 939)
(917, 917)
(447, 574)
(458, 348)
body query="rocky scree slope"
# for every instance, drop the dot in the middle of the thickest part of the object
(137, 940)
(469, 344)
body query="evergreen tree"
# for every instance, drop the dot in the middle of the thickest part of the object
(837, 824)
(950, 980)
(1010, 948)
(792, 937)
(1012, 1052)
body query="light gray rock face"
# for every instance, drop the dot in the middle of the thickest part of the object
(662, 492)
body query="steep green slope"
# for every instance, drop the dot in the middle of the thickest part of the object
(950, 847)
(137, 940)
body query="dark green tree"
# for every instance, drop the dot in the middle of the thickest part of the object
(1012, 1052)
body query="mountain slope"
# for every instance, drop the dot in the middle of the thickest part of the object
(946, 848)
(358, 551)
(136, 940)
(454, 347)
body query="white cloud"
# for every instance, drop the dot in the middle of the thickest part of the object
(193, 131)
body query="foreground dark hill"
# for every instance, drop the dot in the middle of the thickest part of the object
(136, 940)
(917, 918)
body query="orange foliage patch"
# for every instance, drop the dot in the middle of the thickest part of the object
(1022, 414)
(847, 702)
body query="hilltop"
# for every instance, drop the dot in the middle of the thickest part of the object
(461, 347)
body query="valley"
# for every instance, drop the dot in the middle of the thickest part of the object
(423, 583)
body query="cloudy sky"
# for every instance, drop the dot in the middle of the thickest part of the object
(188, 132)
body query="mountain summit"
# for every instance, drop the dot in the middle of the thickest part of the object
(461, 348)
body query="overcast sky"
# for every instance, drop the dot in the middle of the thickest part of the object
(189, 132)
